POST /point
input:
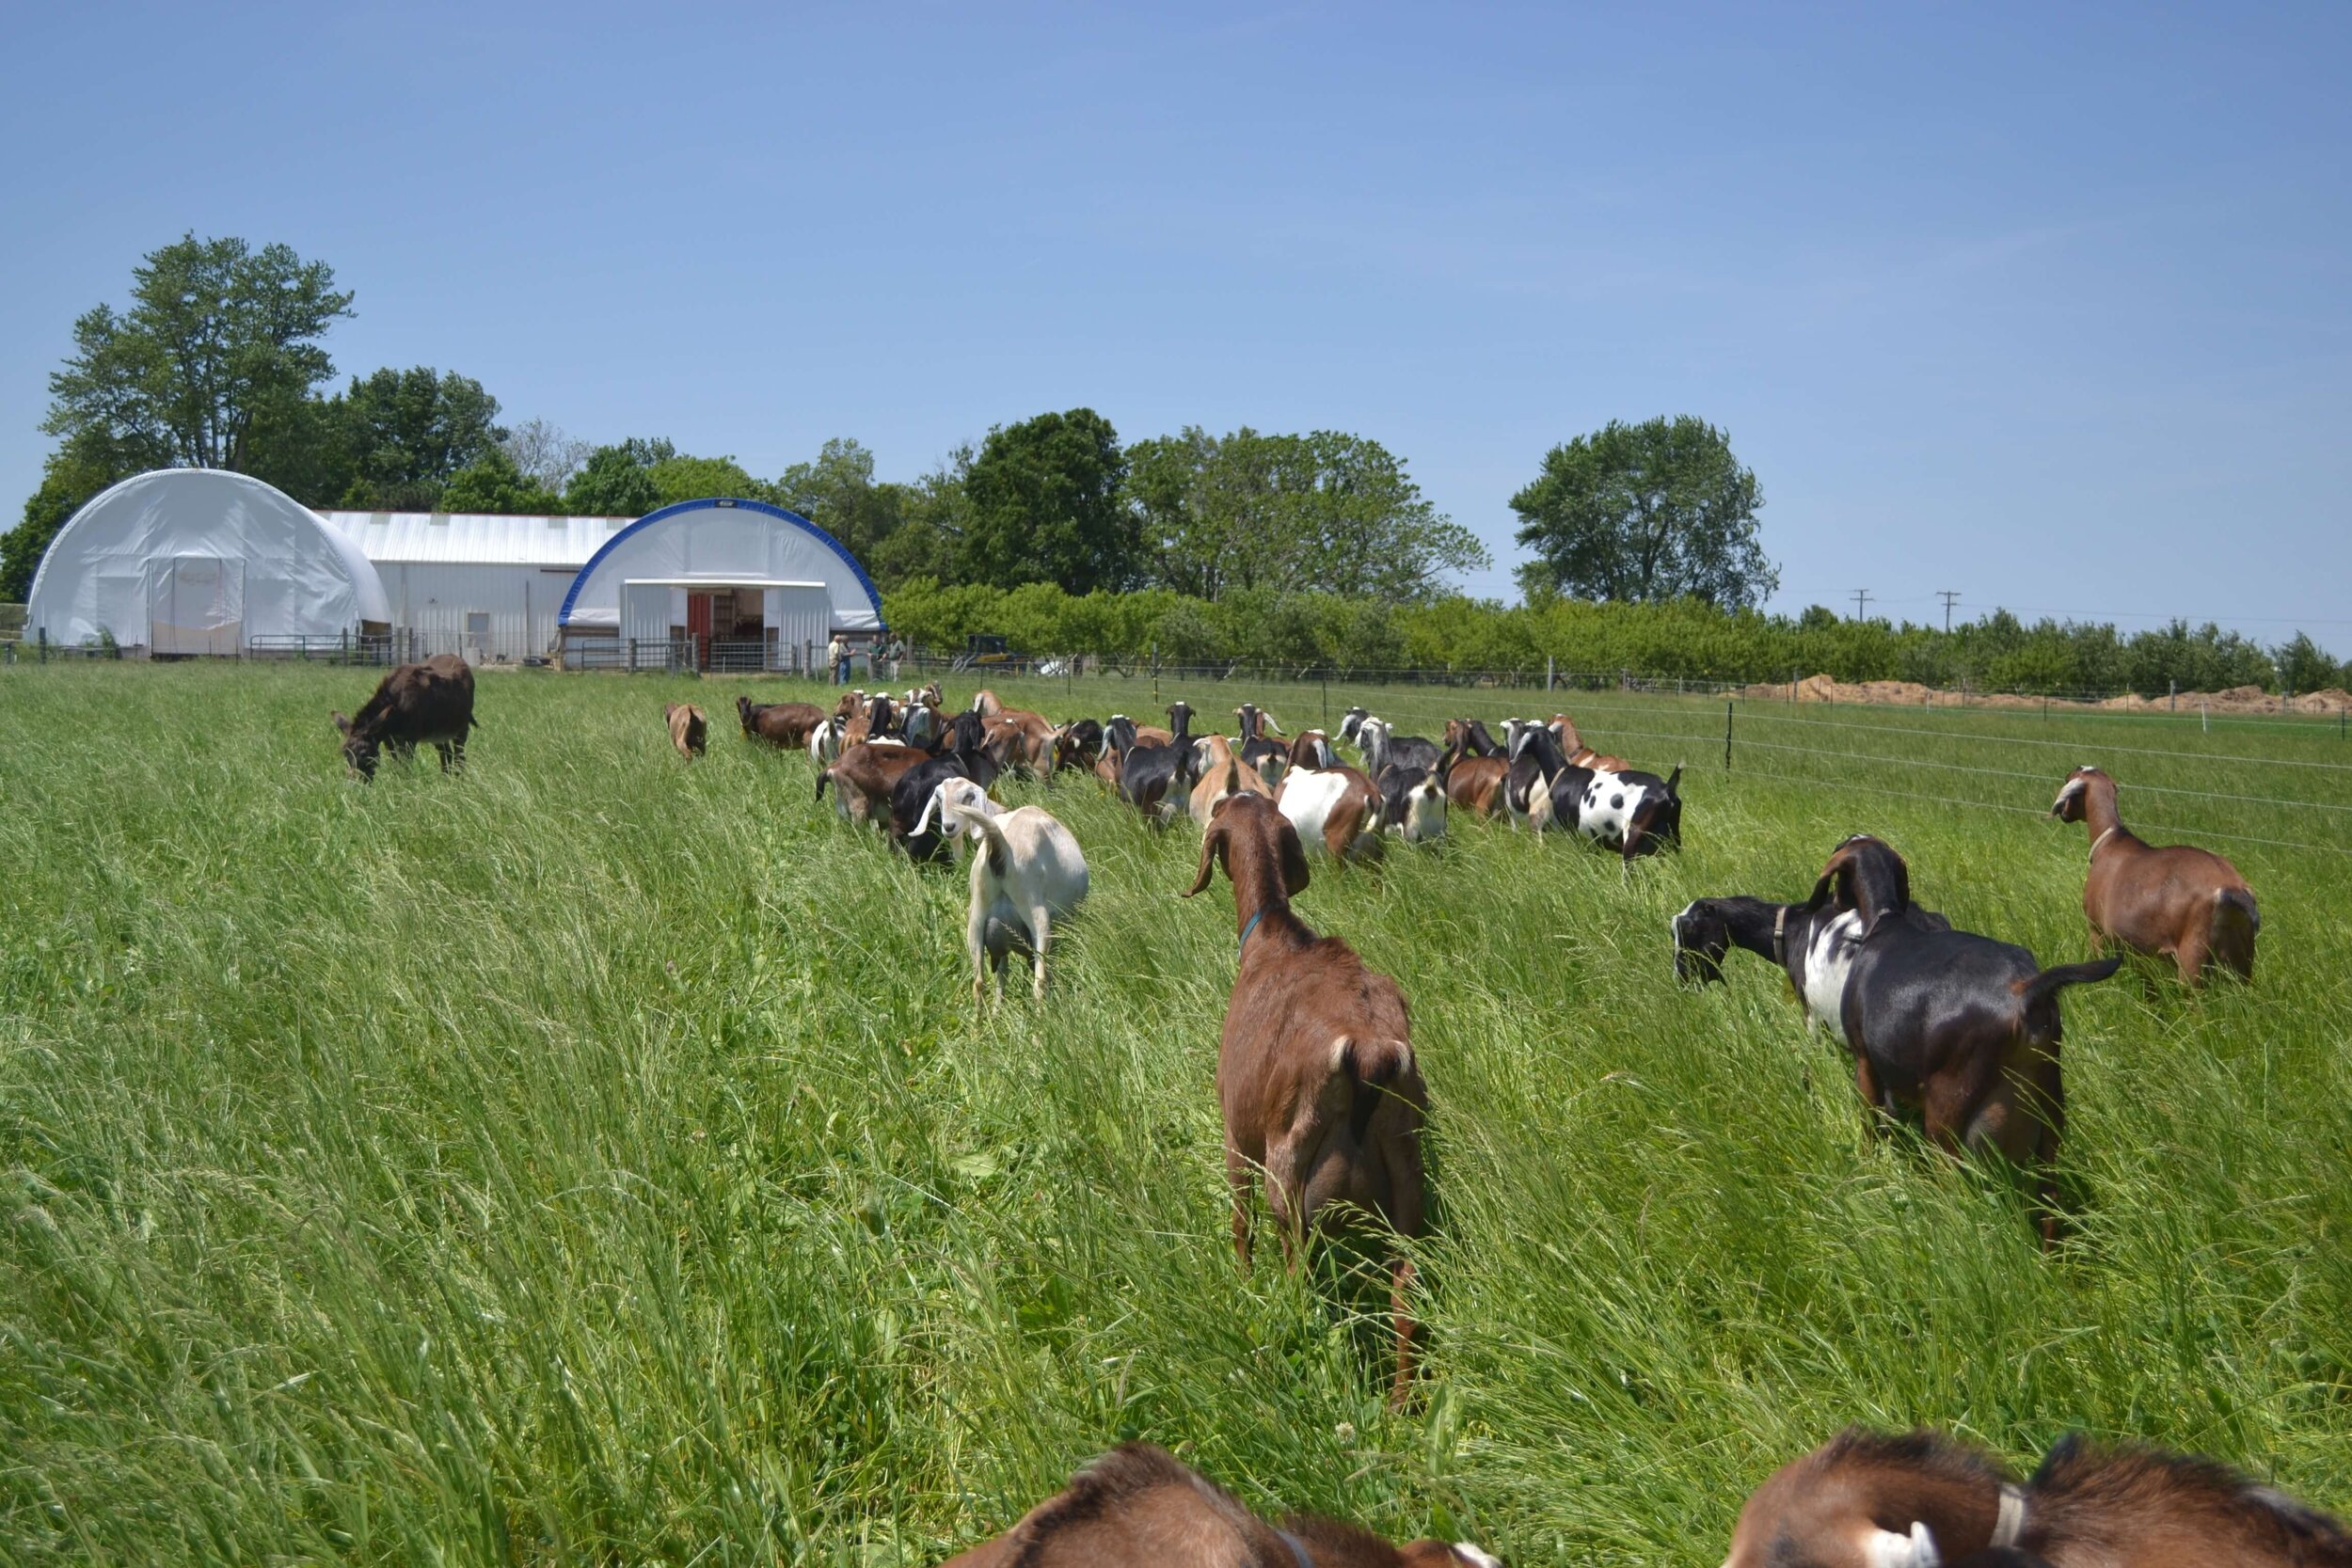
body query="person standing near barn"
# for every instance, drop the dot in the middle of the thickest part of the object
(837, 657)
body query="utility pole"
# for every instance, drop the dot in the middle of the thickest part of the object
(1948, 595)
(1861, 602)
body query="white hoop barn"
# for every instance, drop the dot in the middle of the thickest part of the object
(200, 560)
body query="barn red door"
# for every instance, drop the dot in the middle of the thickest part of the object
(698, 627)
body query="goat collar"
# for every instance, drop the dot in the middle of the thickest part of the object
(1298, 1548)
(1237, 946)
(2103, 838)
(2012, 1522)
(1780, 941)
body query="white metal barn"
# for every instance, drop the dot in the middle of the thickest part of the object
(202, 560)
(742, 583)
(485, 586)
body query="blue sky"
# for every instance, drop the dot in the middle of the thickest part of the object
(2045, 305)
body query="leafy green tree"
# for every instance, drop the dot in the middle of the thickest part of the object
(689, 479)
(491, 482)
(617, 480)
(402, 434)
(2304, 666)
(1046, 506)
(1659, 509)
(934, 517)
(216, 335)
(838, 493)
(1322, 512)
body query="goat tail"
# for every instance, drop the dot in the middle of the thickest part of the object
(1371, 1066)
(822, 774)
(2051, 981)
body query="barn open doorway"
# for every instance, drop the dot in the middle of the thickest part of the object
(729, 627)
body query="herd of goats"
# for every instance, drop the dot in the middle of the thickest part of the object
(1322, 1096)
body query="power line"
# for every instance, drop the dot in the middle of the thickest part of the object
(1861, 602)
(1950, 597)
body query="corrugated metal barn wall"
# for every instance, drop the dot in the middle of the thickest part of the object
(483, 611)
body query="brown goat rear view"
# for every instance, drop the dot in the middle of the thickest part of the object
(1923, 1500)
(1315, 1070)
(1138, 1507)
(689, 728)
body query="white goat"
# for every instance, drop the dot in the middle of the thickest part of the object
(1027, 874)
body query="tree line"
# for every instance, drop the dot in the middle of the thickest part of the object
(1313, 547)
(1680, 638)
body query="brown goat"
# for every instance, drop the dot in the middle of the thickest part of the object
(779, 723)
(1572, 746)
(1226, 774)
(864, 775)
(2178, 902)
(1314, 1069)
(1139, 1507)
(689, 728)
(1863, 1500)
(1475, 784)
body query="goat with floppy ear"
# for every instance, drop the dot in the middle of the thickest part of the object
(2177, 902)
(1315, 1070)
(1959, 1026)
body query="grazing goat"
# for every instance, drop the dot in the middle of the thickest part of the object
(1146, 772)
(1923, 1500)
(779, 723)
(1026, 873)
(1151, 734)
(2181, 903)
(1814, 949)
(1535, 763)
(864, 775)
(1632, 812)
(1384, 749)
(689, 728)
(1473, 783)
(824, 741)
(1137, 1506)
(1078, 745)
(414, 705)
(1412, 805)
(1572, 746)
(1315, 1068)
(1469, 738)
(1336, 809)
(1226, 774)
(922, 724)
(910, 797)
(1961, 1026)
(1260, 750)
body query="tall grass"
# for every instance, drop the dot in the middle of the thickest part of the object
(598, 1157)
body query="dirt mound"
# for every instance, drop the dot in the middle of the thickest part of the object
(2237, 700)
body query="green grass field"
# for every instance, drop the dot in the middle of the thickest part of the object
(598, 1157)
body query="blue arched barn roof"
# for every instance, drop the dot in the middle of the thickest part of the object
(665, 544)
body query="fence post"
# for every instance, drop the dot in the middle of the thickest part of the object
(2173, 704)
(2204, 713)
(1726, 734)
(44, 644)
(1155, 675)
(1550, 671)
(1327, 699)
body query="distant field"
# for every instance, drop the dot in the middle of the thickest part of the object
(597, 1158)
